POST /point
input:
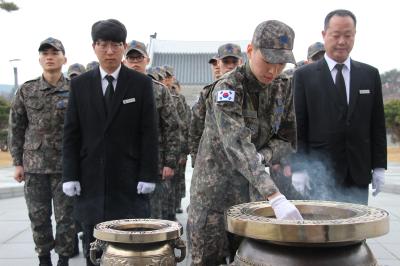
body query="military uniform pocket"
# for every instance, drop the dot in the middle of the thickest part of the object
(32, 145)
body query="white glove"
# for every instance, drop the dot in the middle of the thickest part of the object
(260, 157)
(301, 181)
(378, 180)
(284, 209)
(72, 188)
(145, 188)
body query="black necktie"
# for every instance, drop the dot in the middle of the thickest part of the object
(340, 85)
(109, 93)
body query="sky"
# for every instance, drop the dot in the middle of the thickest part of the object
(70, 21)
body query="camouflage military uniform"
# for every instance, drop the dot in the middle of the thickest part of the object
(36, 128)
(180, 187)
(197, 122)
(183, 129)
(168, 148)
(257, 119)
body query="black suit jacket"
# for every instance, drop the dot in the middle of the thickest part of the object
(350, 142)
(108, 155)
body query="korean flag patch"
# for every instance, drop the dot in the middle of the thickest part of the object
(226, 96)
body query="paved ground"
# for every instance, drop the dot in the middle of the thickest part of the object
(17, 248)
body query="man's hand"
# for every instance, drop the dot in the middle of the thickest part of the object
(72, 188)
(301, 181)
(378, 180)
(145, 187)
(284, 209)
(19, 174)
(167, 173)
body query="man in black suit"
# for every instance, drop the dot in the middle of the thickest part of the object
(340, 118)
(110, 145)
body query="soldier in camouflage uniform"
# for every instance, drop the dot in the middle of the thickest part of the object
(216, 71)
(168, 79)
(180, 181)
(249, 112)
(136, 57)
(36, 128)
(228, 57)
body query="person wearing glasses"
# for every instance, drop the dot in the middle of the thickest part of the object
(136, 57)
(110, 145)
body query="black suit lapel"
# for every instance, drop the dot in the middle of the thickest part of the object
(326, 79)
(355, 80)
(97, 93)
(120, 91)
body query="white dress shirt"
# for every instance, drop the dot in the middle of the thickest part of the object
(345, 71)
(104, 81)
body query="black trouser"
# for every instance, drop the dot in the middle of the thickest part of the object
(87, 239)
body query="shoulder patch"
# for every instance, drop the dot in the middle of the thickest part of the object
(225, 96)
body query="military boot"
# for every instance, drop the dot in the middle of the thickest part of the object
(45, 260)
(62, 260)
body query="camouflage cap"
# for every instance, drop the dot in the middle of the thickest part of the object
(315, 48)
(92, 65)
(275, 41)
(75, 69)
(169, 70)
(137, 46)
(229, 49)
(51, 42)
(151, 72)
(160, 71)
(213, 59)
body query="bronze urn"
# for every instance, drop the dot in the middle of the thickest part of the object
(137, 242)
(332, 233)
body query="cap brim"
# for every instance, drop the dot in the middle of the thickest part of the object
(231, 55)
(315, 53)
(278, 56)
(134, 49)
(44, 46)
(212, 60)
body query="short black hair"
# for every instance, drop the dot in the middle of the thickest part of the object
(109, 30)
(340, 13)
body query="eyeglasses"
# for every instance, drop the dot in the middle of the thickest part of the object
(114, 46)
(135, 59)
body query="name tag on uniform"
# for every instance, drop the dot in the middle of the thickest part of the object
(130, 100)
(364, 92)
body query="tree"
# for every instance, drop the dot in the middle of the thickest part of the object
(392, 117)
(8, 6)
(4, 113)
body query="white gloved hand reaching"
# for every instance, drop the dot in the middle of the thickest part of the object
(378, 180)
(145, 187)
(301, 181)
(284, 209)
(72, 188)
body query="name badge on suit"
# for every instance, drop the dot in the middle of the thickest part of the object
(364, 92)
(130, 100)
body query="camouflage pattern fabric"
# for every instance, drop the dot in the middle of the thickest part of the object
(169, 148)
(229, 49)
(196, 127)
(36, 129)
(257, 119)
(36, 125)
(39, 190)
